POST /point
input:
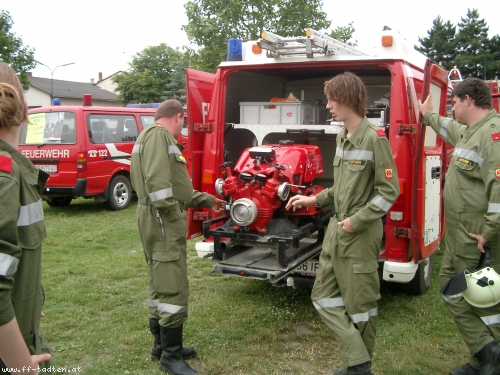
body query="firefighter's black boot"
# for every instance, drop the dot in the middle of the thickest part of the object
(466, 369)
(171, 360)
(489, 359)
(361, 369)
(154, 327)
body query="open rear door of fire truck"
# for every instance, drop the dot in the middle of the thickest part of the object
(428, 161)
(199, 89)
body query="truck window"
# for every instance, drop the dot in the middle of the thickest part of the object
(107, 128)
(49, 127)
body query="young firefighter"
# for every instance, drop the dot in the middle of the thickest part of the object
(472, 212)
(366, 185)
(22, 231)
(160, 178)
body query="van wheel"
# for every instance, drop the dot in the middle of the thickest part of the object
(59, 201)
(422, 279)
(119, 193)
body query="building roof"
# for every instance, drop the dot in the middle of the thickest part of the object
(69, 89)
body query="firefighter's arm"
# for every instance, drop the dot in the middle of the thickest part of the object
(14, 352)
(206, 200)
(301, 200)
(155, 163)
(10, 252)
(445, 127)
(386, 186)
(490, 171)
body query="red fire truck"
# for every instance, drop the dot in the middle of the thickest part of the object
(86, 149)
(259, 133)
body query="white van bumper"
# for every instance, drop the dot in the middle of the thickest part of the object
(396, 272)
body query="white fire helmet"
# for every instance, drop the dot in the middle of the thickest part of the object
(483, 287)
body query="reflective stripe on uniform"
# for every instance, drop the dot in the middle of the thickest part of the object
(8, 265)
(173, 149)
(491, 319)
(444, 125)
(468, 154)
(166, 307)
(448, 297)
(494, 207)
(30, 214)
(137, 149)
(325, 303)
(161, 194)
(381, 203)
(354, 155)
(364, 317)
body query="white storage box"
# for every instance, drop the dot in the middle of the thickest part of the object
(274, 113)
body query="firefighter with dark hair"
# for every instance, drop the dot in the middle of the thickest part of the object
(164, 190)
(472, 211)
(347, 286)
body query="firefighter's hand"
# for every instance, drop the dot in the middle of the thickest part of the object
(480, 241)
(346, 225)
(425, 106)
(301, 200)
(217, 206)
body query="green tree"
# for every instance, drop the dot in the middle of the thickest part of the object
(440, 44)
(472, 45)
(21, 59)
(212, 22)
(344, 34)
(156, 74)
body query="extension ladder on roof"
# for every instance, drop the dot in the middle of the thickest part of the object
(313, 42)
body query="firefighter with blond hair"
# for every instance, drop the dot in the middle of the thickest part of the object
(22, 231)
(347, 285)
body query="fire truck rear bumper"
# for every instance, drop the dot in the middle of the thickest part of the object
(78, 190)
(396, 272)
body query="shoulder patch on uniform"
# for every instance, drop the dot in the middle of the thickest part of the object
(5, 164)
(495, 136)
(380, 132)
(180, 158)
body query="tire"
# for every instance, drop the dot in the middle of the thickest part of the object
(59, 201)
(119, 193)
(422, 279)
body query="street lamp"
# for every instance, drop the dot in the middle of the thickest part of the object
(52, 78)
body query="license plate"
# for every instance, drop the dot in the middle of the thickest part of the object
(48, 168)
(309, 267)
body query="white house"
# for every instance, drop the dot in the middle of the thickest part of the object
(69, 93)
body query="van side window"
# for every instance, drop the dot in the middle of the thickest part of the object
(111, 128)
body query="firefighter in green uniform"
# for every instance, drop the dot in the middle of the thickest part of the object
(366, 185)
(164, 190)
(22, 231)
(472, 213)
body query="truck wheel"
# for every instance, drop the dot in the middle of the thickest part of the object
(119, 193)
(59, 201)
(422, 279)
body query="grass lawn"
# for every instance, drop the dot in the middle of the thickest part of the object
(94, 275)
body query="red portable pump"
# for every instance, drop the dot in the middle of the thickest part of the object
(262, 180)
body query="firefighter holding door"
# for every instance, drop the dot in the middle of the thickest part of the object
(472, 211)
(164, 190)
(347, 286)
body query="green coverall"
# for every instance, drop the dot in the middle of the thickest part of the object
(347, 285)
(22, 231)
(472, 205)
(164, 190)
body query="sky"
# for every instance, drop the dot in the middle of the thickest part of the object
(102, 36)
